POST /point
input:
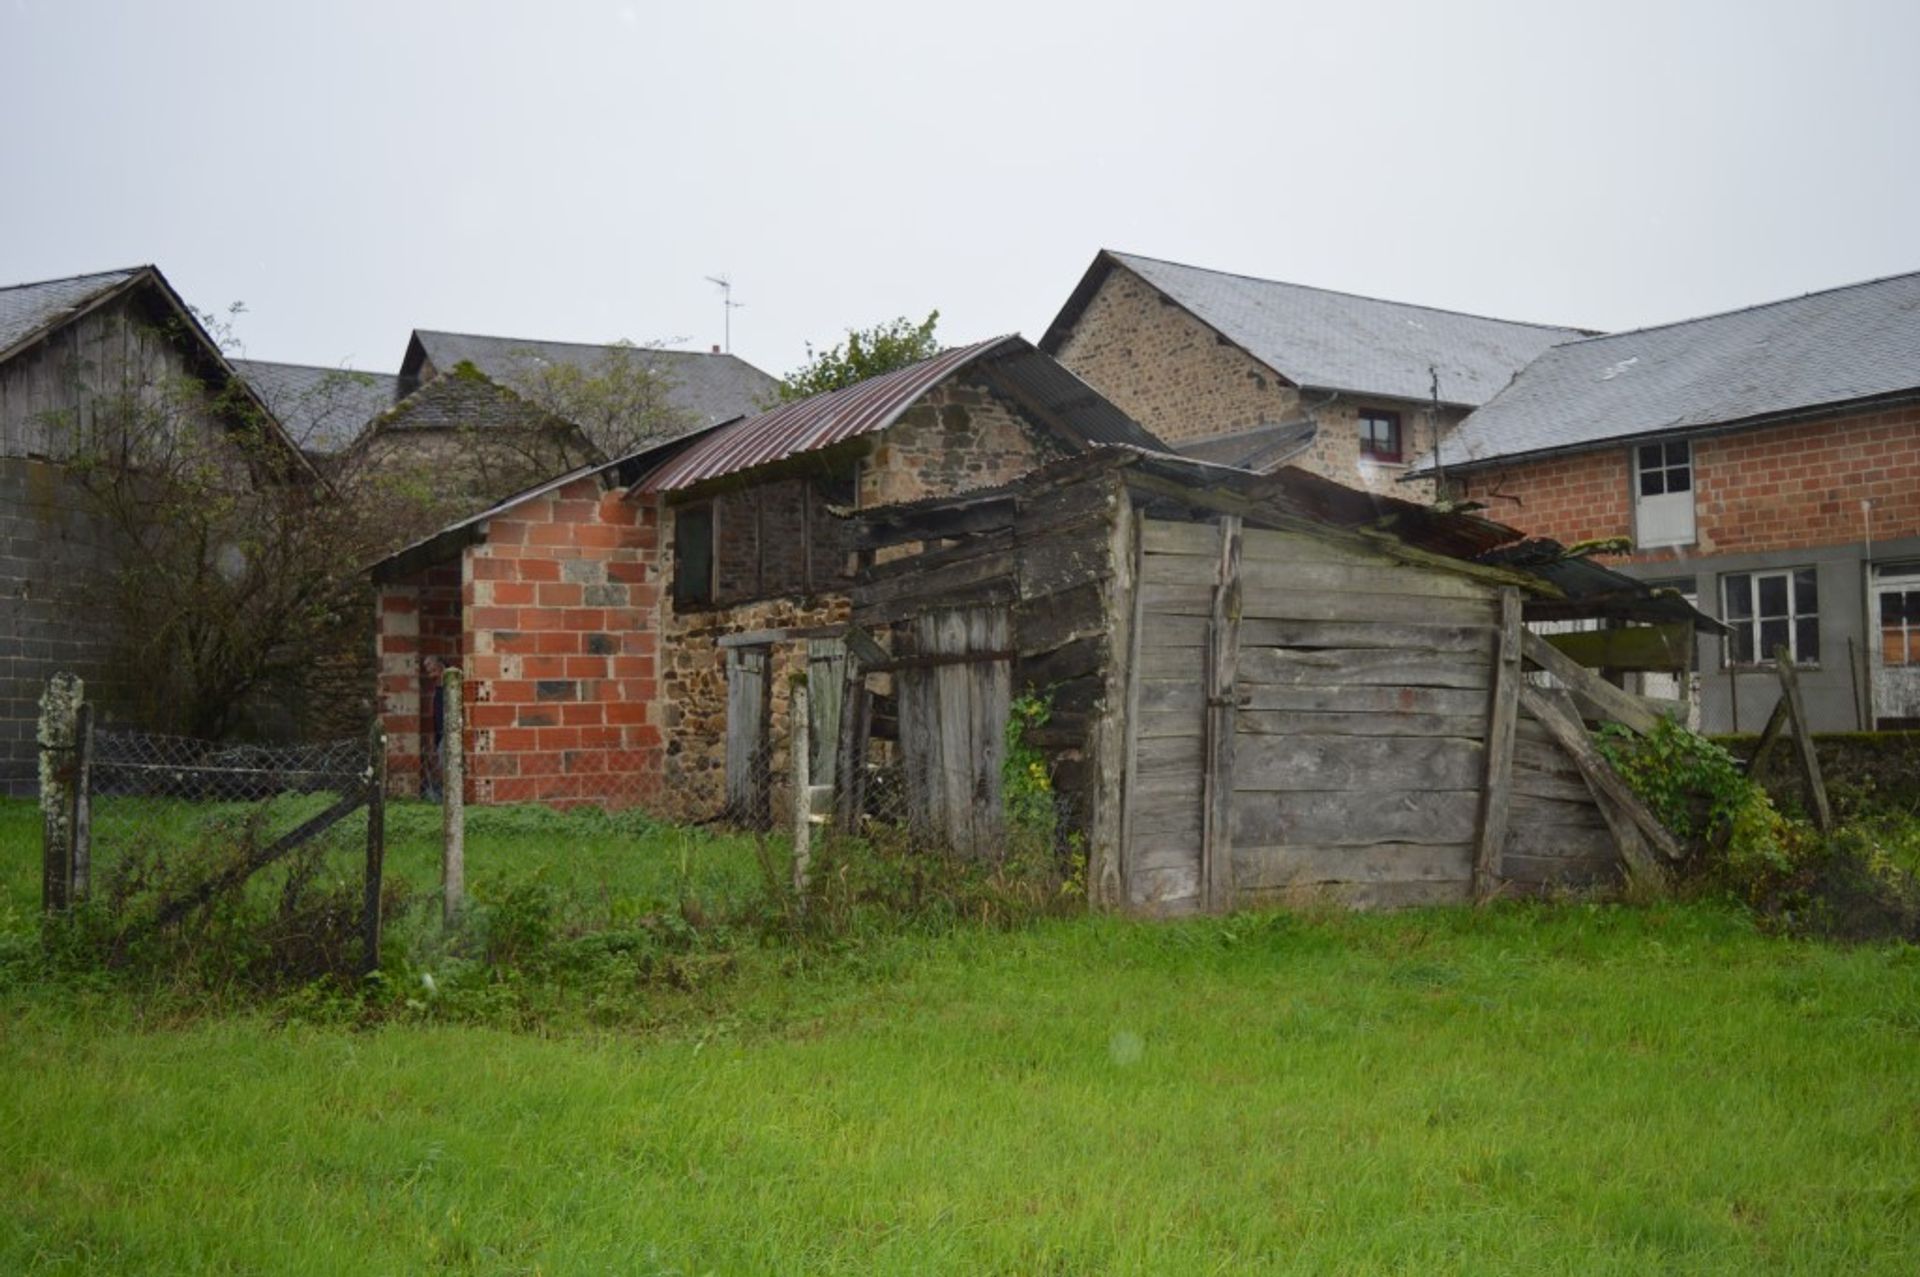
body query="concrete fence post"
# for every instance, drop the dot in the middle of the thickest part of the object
(453, 795)
(799, 746)
(59, 766)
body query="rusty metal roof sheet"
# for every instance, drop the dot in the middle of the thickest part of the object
(823, 420)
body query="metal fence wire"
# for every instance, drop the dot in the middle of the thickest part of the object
(162, 826)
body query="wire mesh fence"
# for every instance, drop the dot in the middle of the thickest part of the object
(159, 836)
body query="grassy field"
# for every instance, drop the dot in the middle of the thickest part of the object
(1525, 1089)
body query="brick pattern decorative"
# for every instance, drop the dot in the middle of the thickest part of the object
(1183, 381)
(1773, 488)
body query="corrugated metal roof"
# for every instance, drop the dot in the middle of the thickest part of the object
(27, 309)
(820, 421)
(1857, 342)
(1327, 340)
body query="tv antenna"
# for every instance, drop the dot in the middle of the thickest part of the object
(727, 307)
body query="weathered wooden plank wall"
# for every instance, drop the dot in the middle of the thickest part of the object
(1362, 689)
(749, 764)
(953, 719)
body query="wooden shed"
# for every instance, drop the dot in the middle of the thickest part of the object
(1264, 688)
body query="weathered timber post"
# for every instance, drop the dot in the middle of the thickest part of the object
(1496, 798)
(376, 781)
(81, 876)
(453, 795)
(1223, 663)
(799, 744)
(1803, 741)
(58, 739)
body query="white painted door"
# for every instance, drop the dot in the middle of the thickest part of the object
(1896, 646)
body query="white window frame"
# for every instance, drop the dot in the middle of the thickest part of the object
(1658, 518)
(1754, 617)
(1893, 578)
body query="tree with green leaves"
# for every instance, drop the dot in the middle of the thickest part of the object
(866, 352)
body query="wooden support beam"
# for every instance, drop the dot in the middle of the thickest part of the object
(1223, 656)
(1616, 799)
(1770, 735)
(1803, 742)
(1497, 793)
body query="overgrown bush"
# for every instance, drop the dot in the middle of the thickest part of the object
(1856, 884)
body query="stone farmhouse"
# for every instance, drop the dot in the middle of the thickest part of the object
(74, 353)
(1255, 373)
(1765, 462)
(598, 616)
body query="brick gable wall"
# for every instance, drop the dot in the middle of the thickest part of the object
(1773, 488)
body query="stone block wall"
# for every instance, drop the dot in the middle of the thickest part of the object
(52, 614)
(1773, 488)
(694, 688)
(1182, 380)
(959, 436)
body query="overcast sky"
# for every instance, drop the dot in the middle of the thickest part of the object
(572, 169)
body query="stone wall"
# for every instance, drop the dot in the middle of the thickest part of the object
(1182, 380)
(959, 436)
(694, 688)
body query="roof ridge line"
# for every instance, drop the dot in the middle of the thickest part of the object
(1583, 333)
(72, 279)
(1739, 310)
(622, 343)
(289, 363)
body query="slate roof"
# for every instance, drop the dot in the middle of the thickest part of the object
(708, 388)
(324, 409)
(1324, 340)
(1857, 342)
(465, 402)
(28, 309)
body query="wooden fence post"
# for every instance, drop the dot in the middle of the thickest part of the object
(376, 846)
(1803, 741)
(1497, 796)
(59, 730)
(453, 794)
(799, 744)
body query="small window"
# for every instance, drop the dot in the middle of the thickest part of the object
(1380, 435)
(1663, 489)
(1767, 611)
(693, 557)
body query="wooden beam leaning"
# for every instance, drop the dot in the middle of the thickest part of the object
(1497, 794)
(1617, 802)
(1770, 735)
(1803, 742)
(1223, 655)
(1602, 697)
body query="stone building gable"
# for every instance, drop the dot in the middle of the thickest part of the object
(1185, 382)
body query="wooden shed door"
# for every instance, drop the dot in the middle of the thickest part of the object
(749, 764)
(953, 721)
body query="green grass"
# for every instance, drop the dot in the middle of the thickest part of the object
(1527, 1089)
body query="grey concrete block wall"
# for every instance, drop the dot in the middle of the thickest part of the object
(50, 569)
(1836, 690)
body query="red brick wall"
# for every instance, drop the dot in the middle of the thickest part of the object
(559, 643)
(1774, 488)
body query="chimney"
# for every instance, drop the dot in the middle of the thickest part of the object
(716, 350)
